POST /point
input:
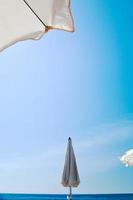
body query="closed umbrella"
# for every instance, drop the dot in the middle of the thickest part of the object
(127, 158)
(70, 177)
(30, 19)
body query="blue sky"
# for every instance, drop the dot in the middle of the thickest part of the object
(70, 84)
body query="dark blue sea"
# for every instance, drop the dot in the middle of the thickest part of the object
(63, 197)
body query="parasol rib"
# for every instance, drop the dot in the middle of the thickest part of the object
(34, 12)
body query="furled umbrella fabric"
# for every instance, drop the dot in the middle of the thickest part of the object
(127, 158)
(30, 19)
(70, 177)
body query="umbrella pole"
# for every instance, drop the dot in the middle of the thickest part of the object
(70, 196)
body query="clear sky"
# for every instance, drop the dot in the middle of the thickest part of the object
(70, 84)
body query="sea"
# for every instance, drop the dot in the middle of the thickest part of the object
(64, 197)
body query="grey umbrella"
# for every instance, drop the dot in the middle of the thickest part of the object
(70, 177)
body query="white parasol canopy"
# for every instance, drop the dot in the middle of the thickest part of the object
(70, 177)
(30, 19)
(127, 158)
